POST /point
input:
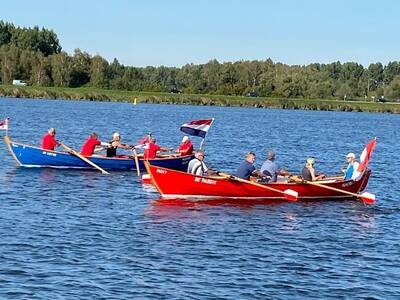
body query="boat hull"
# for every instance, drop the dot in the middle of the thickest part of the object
(31, 156)
(175, 184)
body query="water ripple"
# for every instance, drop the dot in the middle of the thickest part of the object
(81, 235)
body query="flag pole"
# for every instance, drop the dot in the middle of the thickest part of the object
(7, 126)
(202, 141)
(201, 144)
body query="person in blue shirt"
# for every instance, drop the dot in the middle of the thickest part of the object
(270, 169)
(351, 170)
(246, 168)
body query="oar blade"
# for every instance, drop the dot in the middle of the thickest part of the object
(291, 195)
(146, 179)
(368, 198)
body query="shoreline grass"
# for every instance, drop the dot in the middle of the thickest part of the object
(90, 94)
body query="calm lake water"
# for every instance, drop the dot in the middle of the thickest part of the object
(68, 234)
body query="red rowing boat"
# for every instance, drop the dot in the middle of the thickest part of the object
(177, 184)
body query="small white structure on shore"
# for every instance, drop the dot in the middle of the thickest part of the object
(18, 82)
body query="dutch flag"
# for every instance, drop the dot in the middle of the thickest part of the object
(197, 127)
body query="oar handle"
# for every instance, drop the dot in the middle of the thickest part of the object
(289, 194)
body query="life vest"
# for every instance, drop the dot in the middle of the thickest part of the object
(196, 166)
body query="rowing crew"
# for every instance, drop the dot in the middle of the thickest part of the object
(148, 143)
(270, 171)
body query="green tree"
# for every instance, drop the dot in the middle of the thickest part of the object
(41, 71)
(344, 91)
(80, 73)
(393, 90)
(99, 72)
(391, 70)
(5, 33)
(61, 69)
(9, 58)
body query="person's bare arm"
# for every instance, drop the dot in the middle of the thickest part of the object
(283, 172)
(312, 172)
(316, 177)
(122, 146)
(164, 149)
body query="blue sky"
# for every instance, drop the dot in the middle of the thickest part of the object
(173, 33)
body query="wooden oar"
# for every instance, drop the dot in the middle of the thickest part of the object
(136, 161)
(73, 152)
(365, 197)
(288, 193)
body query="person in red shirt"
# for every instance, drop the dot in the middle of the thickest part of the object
(49, 142)
(152, 148)
(186, 147)
(90, 145)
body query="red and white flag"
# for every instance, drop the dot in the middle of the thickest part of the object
(365, 155)
(4, 124)
(197, 127)
(143, 142)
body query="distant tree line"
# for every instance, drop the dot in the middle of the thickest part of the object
(35, 55)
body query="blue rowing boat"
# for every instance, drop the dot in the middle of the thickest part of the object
(31, 156)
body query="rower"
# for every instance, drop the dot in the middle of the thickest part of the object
(351, 170)
(197, 166)
(89, 147)
(114, 144)
(308, 173)
(151, 148)
(186, 147)
(270, 169)
(246, 168)
(49, 141)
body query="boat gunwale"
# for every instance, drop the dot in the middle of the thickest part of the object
(140, 156)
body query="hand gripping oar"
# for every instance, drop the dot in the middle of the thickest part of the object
(73, 152)
(288, 193)
(365, 197)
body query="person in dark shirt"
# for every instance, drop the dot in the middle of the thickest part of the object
(270, 169)
(308, 173)
(246, 168)
(114, 144)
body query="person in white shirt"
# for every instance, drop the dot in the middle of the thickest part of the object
(197, 166)
(351, 170)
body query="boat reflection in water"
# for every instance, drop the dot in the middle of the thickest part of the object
(162, 209)
(180, 202)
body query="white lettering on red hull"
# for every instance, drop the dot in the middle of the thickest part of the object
(205, 180)
(161, 171)
(350, 183)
